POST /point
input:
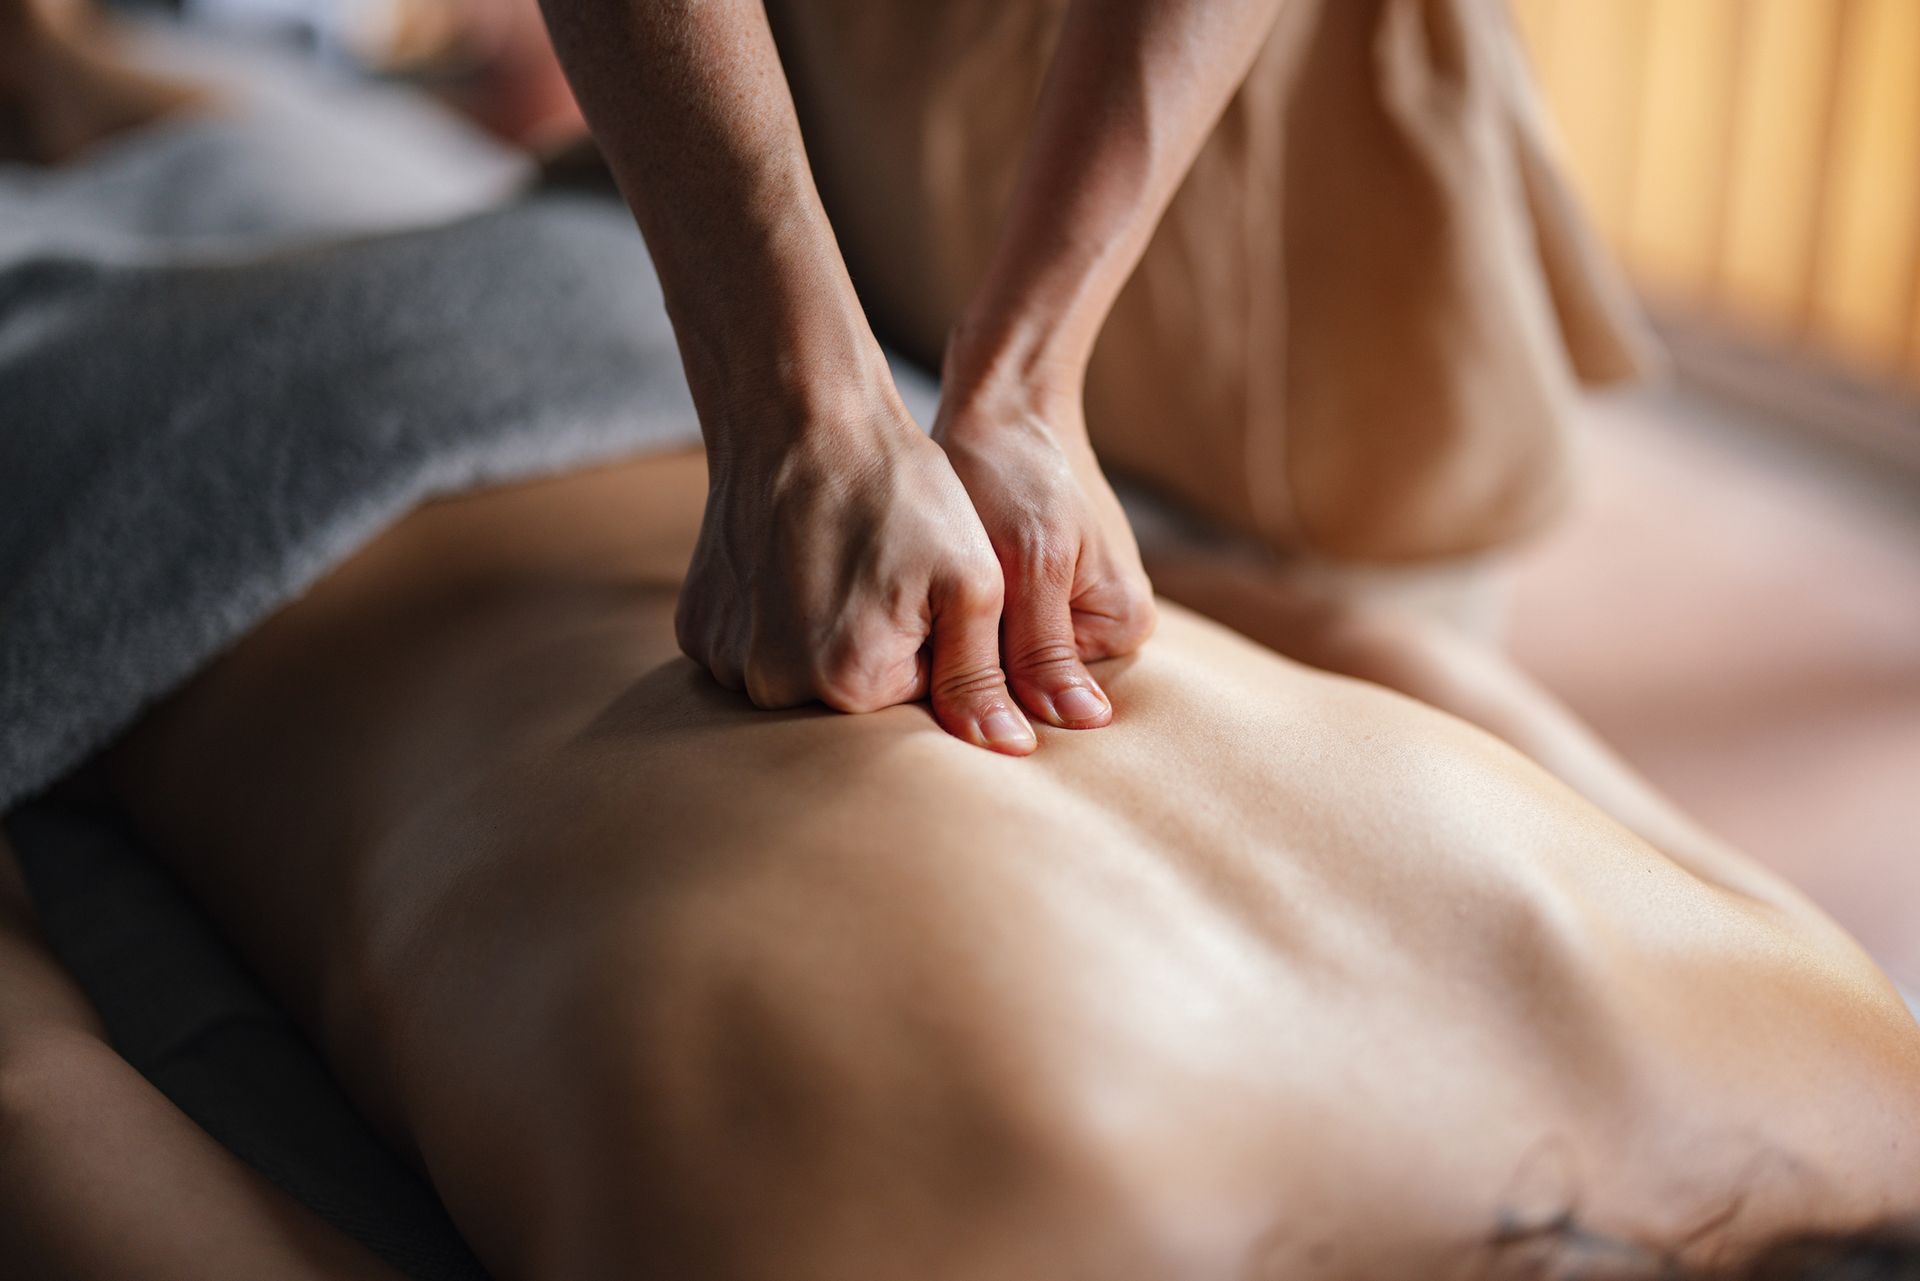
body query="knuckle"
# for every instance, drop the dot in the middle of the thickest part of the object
(1138, 617)
(722, 665)
(1046, 556)
(759, 691)
(1045, 657)
(769, 687)
(692, 644)
(838, 689)
(968, 684)
(1117, 628)
(847, 691)
(701, 642)
(689, 630)
(979, 588)
(866, 670)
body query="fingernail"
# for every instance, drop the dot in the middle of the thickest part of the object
(1005, 729)
(1078, 703)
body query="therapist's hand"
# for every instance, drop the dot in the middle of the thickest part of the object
(836, 545)
(1075, 589)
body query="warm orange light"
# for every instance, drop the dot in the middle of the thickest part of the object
(1757, 160)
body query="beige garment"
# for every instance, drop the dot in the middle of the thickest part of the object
(1356, 332)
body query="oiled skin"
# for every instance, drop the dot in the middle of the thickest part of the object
(1280, 976)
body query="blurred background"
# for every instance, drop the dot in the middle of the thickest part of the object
(1735, 602)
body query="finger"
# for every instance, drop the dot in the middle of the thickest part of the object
(1043, 661)
(923, 671)
(727, 673)
(699, 642)
(970, 697)
(773, 679)
(1116, 623)
(867, 669)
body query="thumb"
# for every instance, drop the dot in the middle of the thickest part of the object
(1043, 659)
(970, 698)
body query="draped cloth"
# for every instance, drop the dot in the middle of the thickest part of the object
(1359, 329)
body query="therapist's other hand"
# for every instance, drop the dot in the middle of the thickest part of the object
(1075, 588)
(841, 561)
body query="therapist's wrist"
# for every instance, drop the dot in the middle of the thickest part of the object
(783, 369)
(764, 312)
(845, 407)
(1026, 373)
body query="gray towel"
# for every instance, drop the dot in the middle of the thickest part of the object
(222, 371)
(187, 445)
(236, 345)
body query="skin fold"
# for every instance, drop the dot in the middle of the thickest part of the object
(1283, 975)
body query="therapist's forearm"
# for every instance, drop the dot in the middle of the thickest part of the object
(1135, 88)
(688, 102)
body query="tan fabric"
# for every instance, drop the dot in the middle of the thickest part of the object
(1356, 331)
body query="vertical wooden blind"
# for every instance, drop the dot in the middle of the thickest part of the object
(1755, 161)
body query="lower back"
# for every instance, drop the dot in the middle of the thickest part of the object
(1297, 949)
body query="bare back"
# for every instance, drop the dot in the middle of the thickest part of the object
(1280, 966)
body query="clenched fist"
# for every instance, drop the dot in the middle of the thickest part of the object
(842, 561)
